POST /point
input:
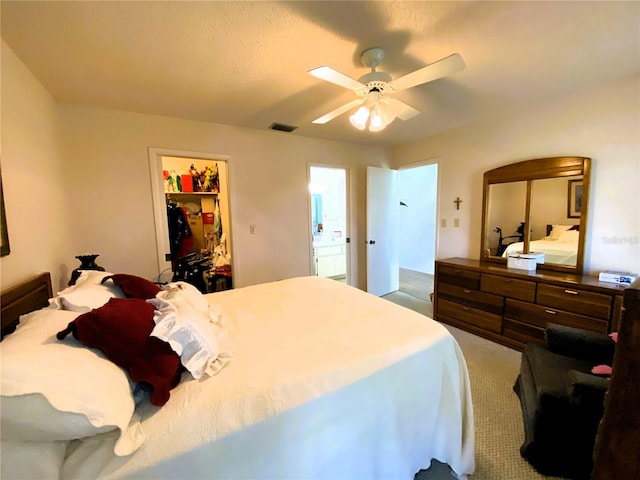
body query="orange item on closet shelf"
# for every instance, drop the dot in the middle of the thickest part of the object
(187, 183)
(207, 218)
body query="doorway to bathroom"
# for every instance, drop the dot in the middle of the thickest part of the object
(329, 221)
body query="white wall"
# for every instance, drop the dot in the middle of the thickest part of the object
(418, 188)
(507, 207)
(34, 180)
(602, 123)
(111, 195)
(549, 205)
(77, 180)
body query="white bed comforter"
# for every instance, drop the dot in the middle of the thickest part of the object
(555, 251)
(326, 381)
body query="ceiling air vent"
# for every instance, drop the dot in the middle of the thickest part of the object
(281, 127)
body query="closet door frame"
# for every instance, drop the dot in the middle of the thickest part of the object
(159, 202)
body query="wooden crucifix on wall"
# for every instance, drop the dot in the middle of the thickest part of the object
(457, 201)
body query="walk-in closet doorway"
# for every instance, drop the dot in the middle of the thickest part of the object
(198, 184)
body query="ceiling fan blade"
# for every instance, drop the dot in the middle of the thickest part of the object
(441, 68)
(338, 111)
(330, 75)
(400, 109)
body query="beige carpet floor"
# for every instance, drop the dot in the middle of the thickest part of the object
(493, 369)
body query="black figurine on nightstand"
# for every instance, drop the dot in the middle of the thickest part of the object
(87, 262)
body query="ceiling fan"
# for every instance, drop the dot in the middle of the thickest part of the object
(374, 89)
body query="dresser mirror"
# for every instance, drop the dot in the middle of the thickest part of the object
(537, 206)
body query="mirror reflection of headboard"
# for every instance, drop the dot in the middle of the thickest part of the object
(538, 205)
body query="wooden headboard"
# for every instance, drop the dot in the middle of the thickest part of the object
(26, 297)
(550, 227)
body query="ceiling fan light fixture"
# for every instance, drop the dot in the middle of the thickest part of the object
(360, 117)
(376, 121)
(379, 107)
(373, 116)
(380, 118)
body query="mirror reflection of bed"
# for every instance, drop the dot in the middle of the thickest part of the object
(559, 245)
(539, 193)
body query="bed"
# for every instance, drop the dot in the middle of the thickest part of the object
(560, 245)
(317, 380)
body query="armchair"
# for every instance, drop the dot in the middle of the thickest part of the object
(562, 402)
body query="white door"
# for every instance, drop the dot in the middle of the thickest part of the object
(382, 239)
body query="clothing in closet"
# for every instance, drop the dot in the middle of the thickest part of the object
(180, 236)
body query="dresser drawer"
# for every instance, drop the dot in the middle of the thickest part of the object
(523, 332)
(575, 300)
(508, 287)
(458, 276)
(540, 315)
(474, 298)
(472, 316)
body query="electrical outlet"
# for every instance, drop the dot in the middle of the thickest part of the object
(443, 223)
(252, 229)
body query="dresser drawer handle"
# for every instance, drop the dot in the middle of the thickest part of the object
(506, 280)
(550, 312)
(467, 291)
(571, 292)
(466, 309)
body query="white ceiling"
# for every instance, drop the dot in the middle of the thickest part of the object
(245, 63)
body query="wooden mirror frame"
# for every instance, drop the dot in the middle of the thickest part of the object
(538, 169)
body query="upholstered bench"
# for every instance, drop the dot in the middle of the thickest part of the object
(562, 402)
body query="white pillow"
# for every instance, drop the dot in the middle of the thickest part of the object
(185, 292)
(55, 390)
(29, 460)
(571, 236)
(556, 230)
(87, 293)
(184, 321)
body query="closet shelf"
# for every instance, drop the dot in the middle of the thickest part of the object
(191, 193)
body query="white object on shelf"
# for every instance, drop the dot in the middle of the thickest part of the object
(622, 278)
(524, 261)
(539, 256)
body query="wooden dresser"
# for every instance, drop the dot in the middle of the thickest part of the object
(512, 307)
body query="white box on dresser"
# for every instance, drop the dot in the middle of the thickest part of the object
(524, 261)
